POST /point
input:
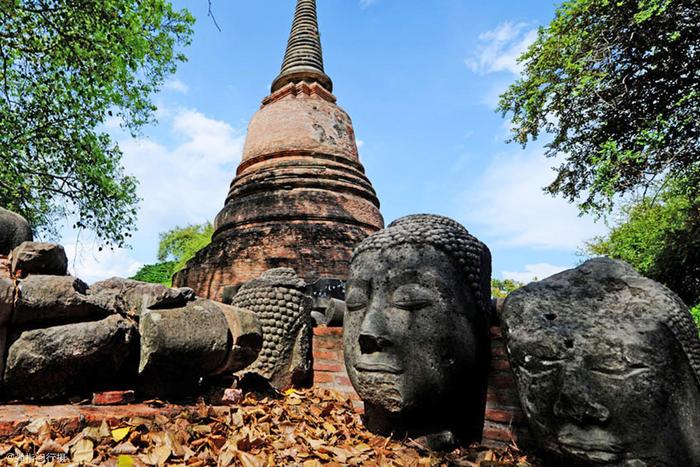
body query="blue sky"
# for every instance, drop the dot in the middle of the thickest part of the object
(420, 80)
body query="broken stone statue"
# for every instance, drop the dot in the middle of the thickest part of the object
(277, 298)
(60, 338)
(416, 330)
(607, 364)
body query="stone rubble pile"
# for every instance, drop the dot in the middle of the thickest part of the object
(59, 337)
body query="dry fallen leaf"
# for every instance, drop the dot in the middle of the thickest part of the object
(310, 427)
(120, 433)
(82, 451)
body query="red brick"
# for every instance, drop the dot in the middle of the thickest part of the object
(325, 331)
(503, 397)
(328, 344)
(332, 355)
(113, 398)
(330, 367)
(498, 434)
(359, 407)
(495, 331)
(503, 415)
(284, 222)
(343, 380)
(501, 379)
(498, 350)
(500, 364)
(323, 377)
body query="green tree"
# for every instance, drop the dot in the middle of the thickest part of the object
(695, 311)
(175, 249)
(616, 85)
(660, 237)
(159, 273)
(182, 243)
(65, 67)
(502, 288)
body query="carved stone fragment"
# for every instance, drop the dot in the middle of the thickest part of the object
(128, 296)
(182, 345)
(284, 311)
(54, 299)
(44, 364)
(607, 364)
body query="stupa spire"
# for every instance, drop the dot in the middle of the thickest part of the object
(303, 60)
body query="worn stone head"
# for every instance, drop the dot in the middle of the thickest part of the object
(416, 327)
(277, 297)
(607, 364)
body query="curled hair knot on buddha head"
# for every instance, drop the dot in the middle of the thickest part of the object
(467, 253)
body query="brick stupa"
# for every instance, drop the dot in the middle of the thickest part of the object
(300, 197)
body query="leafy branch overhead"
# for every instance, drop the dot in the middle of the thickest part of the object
(617, 85)
(65, 68)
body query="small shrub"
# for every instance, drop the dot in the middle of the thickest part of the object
(695, 311)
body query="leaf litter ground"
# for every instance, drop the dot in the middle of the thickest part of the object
(299, 428)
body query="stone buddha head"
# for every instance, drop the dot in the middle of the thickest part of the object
(416, 328)
(607, 365)
(278, 299)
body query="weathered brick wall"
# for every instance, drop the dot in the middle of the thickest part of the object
(329, 363)
(504, 423)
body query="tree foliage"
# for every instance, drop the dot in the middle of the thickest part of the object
(661, 239)
(501, 288)
(159, 273)
(695, 311)
(617, 85)
(182, 243)
(65, 67)
(175, 249)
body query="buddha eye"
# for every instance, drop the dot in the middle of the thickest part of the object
(411, 297)
(540, 365)
(356, 300)
(620, 371)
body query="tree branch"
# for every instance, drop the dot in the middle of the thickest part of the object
(210, 13)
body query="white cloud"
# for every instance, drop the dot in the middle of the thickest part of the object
(499, 48)
(91, 265)
(533, 272)
(176, 85)
(360, 143)
(367, 3)
(508, 202)
(185, 182)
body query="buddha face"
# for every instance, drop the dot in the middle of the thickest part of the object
(410, 333)
(602, 395)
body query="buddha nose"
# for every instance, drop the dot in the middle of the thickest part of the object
(373, 332)
(576, 404)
